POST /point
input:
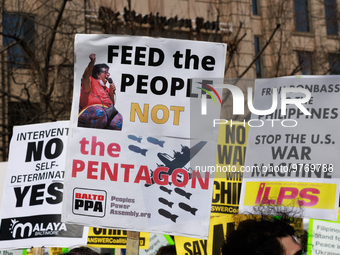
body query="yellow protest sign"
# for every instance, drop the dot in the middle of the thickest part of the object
(112, 238)
(231, 150)
(217, 230)
(29, 251)
(296, 194)
(56, 250)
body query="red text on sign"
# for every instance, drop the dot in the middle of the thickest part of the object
(288, 193)
(86, 147)
(103, 171)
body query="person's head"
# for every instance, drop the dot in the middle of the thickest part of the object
(101, 72)
(260, 236)
(81, 251)
(167, 250)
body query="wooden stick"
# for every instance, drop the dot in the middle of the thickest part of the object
(37, 251)
(132, 243)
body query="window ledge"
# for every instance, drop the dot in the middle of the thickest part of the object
(307, 34)
(334, 37)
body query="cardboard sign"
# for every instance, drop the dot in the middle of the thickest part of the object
(217, 232)
(301, 146)
(34, 189)
(231, 151)
(137, 172)
(112, 238)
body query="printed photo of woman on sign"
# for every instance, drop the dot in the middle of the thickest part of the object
(97, 100)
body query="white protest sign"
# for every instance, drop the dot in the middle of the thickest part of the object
(135, 172)
(292, 160)
(11, 252)
(32, 200)
(323, 237)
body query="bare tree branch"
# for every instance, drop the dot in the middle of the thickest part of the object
(260, 53)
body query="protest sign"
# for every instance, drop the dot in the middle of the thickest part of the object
(11, 252)
(323, 237)
(292, 159)
(32, 200)
(137, 172)
(231, 151)
(219, 226)
(156, 241)
(56, 250)
(112, 238)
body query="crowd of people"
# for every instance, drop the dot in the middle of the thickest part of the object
(254, 234)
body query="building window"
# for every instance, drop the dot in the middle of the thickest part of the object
(305, 62)
(334, 63)
(258, 65)
(301, 12)
(18, 27)
(331, 17)
(256, 7)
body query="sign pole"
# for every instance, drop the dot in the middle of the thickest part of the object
(132, 243)
(37, 251)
